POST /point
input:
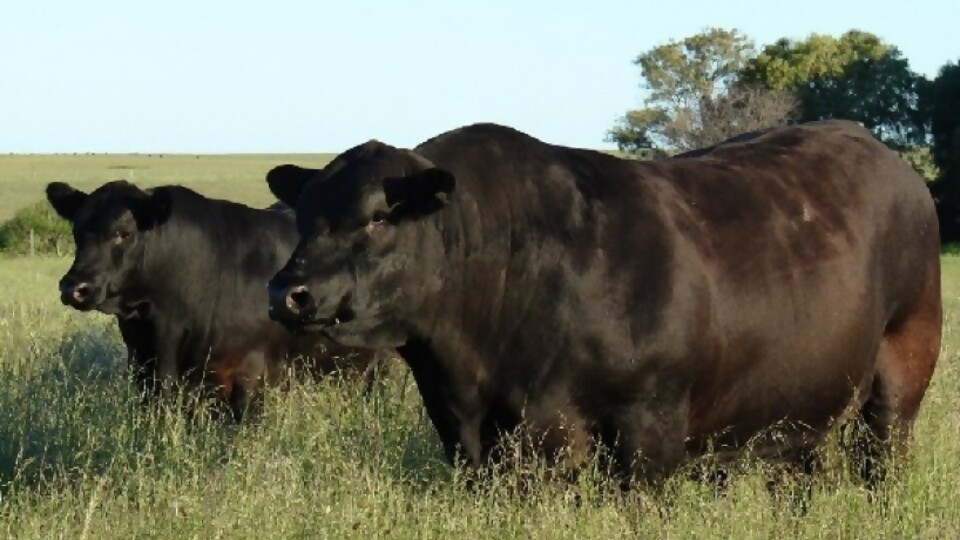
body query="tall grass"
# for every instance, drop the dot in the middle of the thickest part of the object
(80, 458)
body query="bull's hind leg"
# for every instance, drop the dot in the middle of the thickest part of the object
(905, 363)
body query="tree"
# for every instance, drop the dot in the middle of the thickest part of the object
(856, 76)
(943, 106)
(944, 109)
(695, 99)
(741, 109)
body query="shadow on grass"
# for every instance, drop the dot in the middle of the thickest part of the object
(77, 413)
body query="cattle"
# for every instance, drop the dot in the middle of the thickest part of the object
(184, 275)
(748, 296)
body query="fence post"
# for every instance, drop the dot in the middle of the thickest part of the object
(31, 243)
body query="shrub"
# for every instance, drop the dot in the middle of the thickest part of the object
(51, 233)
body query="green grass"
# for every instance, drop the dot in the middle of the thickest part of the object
(238, 177)
(79, 458)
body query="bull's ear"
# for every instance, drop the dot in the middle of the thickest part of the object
(161, 205)
(419, 194)
(65, 199)
(151, 208)
(287, 181)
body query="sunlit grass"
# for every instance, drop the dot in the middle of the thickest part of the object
(79, 457)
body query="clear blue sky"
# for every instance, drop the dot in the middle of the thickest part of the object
(314, 76)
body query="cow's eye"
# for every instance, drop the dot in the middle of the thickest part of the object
(120, 235)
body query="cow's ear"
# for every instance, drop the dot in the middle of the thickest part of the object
(287, 181)
(65, 199)
(419, 194)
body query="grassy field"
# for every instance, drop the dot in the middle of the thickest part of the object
(238, 177)
(79, 458)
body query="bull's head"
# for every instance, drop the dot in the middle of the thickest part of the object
(369, 244)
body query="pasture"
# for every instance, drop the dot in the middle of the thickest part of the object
(80, 458)
(237, 177)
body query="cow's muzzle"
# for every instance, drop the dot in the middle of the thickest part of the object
(78, 294)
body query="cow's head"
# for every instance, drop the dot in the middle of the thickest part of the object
(109, 229)
(370, 244)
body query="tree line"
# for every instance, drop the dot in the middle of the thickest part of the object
(716, 84)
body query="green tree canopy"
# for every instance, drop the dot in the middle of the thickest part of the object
(943, 105)
(943, 100)
(856, 76)
(694, 98)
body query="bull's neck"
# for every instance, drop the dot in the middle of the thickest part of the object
(488, 281)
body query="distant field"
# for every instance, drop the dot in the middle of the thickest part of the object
(238, 177)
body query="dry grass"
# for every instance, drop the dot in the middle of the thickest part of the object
(79, 458)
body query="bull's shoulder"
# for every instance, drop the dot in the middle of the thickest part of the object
(485, 145)
(479, 140)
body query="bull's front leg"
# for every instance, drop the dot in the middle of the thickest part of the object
(456, 425)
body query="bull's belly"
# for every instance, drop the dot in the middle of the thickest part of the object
(790, 358)
(781, 404)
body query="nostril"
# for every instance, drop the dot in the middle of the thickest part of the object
(298, 299)
(82, 291)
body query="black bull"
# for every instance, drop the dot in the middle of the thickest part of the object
(184, 275)
(657, 309)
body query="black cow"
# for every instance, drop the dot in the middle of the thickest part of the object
(661, 309)
(185, 277)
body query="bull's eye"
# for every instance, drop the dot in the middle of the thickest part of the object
(378, 217)
(119, 236)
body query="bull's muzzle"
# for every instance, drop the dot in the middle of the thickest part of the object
(291, 303)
